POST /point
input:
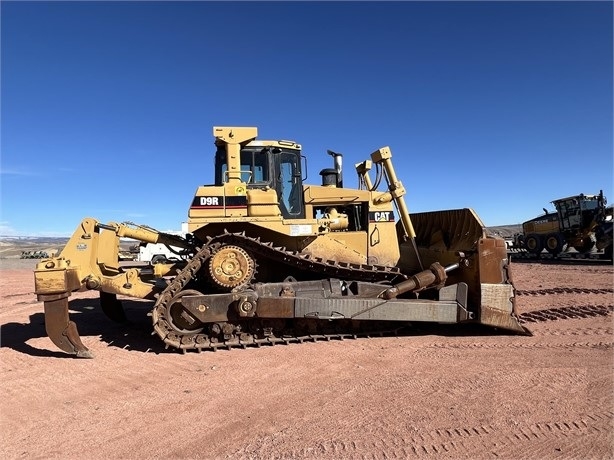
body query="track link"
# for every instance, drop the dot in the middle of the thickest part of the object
(253, 331)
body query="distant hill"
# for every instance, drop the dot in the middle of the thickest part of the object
(504, 231)
(11, 247)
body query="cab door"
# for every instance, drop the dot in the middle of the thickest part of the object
(289, 186)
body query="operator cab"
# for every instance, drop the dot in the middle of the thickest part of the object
(578, 211)
(269, 165)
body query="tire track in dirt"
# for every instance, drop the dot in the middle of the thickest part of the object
(601, 337)
(572, 312)
(563, 290)
(544, 382)
(579, 331)
(537, 440)
(533, 345)
(544, 439)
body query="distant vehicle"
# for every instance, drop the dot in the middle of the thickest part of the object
(581, 222)
(34, 255)
(158, 253)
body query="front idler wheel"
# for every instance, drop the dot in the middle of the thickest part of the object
(179, 318)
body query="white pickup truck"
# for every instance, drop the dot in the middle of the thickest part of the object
(156, 253)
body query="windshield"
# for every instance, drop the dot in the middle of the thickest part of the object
(254, 167)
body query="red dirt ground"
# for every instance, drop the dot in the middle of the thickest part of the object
(431, 394)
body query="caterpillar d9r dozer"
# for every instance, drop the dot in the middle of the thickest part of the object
(269, 259)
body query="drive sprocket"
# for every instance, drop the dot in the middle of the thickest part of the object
(231, 266)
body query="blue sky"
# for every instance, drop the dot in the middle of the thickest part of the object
(108, 107)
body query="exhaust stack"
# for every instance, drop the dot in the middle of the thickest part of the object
(338, 162)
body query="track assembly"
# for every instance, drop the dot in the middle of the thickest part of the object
(225, 259)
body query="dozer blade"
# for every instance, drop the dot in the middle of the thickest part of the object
(449, 235)
(497, 308)
(60, 329)
(502, 320)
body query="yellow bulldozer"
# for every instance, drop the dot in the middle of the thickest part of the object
(271, 259)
